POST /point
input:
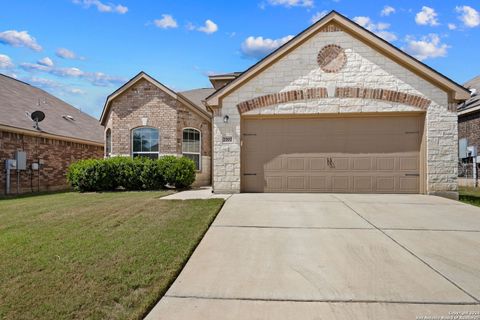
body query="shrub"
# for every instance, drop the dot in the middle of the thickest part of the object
(91, 175)
(178, 172)
(151, 175)
(131, 174)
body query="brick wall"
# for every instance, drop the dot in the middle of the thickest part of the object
(186, 118)
(57, 155)
(143, 101)
(144, 104)
(469, 127)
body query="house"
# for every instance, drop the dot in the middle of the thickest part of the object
(146, 118)
(336, 109)
(469, 131)
(43, 152)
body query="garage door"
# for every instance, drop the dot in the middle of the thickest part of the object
(353, 154)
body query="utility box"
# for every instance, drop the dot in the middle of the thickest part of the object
(462, 148)
(21, 157)
(10, 164)
(472, 151)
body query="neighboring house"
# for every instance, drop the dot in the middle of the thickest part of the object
(65, 135)
(336, 109)
(469, 128)
(145, 118)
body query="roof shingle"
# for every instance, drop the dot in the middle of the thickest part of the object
(474, 100)
(19, 99)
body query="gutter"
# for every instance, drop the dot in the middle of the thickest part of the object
(42, 134)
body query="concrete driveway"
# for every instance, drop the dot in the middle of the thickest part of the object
(332, 256)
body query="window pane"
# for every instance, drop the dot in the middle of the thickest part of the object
(154, 134)
(108, 140)
(195, 158)
(191, 141)
(145, 140)
(154, 146)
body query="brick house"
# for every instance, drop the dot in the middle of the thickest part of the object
(145, 118)
(64, 136)
(469, 129)
(336, 109)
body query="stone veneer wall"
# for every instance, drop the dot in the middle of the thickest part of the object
(144, 104)
(56, 155)
(365, 68)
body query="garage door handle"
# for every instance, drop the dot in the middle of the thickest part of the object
(412, 174)
(249, 174)
(330, 163)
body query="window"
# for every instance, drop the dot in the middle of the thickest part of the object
(108, 143)
(191, 146)
(145, 143)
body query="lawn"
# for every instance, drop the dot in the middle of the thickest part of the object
(470, 195)
(94, 256)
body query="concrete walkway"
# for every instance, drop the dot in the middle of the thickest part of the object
(200, 193)
(332, 256)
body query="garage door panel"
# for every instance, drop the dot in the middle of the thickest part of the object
(363, 184)
(340, 163)
(367, 155)
(385, 164)
(385, 184)
(362, 163)
(274, 184)
(296, 183)
(318, 163)
(319, 183)
(408, 184)
(409, 164)
(274, 164)
(296, 164)
(340, 184)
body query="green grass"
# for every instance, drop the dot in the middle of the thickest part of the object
(470, 195)
(94, 255)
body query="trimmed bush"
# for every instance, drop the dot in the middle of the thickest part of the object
(91, 175)
(178, 172)
(131, 174)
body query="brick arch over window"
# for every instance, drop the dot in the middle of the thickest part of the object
(340, 92)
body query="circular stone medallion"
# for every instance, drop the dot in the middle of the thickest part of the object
(332, 58)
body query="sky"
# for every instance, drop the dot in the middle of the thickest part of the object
(83, 50)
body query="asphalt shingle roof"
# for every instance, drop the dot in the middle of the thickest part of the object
(19, 99)
(197, 96)
(474, 100)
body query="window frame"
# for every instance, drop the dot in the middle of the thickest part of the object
(108, 143)
(139, 153)
(200, 147)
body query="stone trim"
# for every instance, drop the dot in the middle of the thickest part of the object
(341, 92)
(281, 97)
(331, 27)
(383, 94)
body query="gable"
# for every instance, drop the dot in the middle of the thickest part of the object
(335, 23)
(142, 76)
(335, 65)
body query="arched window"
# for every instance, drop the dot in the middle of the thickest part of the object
(145, 142)
(108, 143)
(191, 146)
